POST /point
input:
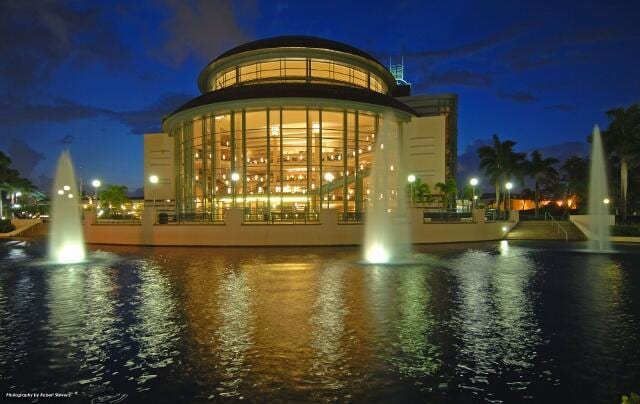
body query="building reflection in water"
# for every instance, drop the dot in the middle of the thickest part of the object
(328, 328)
(234, 336)
(495, 322)
(155, 328)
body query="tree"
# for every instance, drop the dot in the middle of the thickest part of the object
(622, 138)
(421, 191)
(10, 180)
(500, 163)
(448, 190)
(576, 175)
(541, 170)
(113, 195)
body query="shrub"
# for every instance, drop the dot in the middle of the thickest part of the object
(6, 226)
(626, 230)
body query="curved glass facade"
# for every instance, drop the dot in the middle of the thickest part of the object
(298, 70)
(278, 164)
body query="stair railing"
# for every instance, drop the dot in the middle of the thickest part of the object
(555, 222)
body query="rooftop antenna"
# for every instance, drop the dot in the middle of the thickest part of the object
(397, 70)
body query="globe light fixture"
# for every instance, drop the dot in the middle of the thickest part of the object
(96, 184)
(473, 182)
(153, 179)
(509, 186)
(329, 177)
(606, 201)
(411, 178)
(234, 177)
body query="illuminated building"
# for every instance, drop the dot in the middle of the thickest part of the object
(286, 126)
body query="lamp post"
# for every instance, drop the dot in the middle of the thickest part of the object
(329, 178)
(153, 179)
(508, 185)
(96, 184)
(473, 182)
(234, 177)
(411, 178)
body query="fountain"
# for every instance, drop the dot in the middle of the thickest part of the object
(386, 237)
(598, 193)
(66, 240)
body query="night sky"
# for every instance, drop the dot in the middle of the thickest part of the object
(93, 76)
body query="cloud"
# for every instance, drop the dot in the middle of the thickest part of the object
(518, 96)
(139, 121)
(547, 49)
(472, 48)
(148, 120)
(16, 112)
(201, 28)
(454, 78)
(40, 36)
(23, 157)
(559, 108)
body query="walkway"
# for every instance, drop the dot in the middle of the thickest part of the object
(545, 230)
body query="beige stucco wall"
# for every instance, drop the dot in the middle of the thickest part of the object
(327, 232)
(159, 160)
(424, 146)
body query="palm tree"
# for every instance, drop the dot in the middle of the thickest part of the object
(541, 170)
(576, 175)
(421, 191)
(448, 190)
(622, 138)
(500, 163)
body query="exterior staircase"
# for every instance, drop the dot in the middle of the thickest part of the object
(545, 230)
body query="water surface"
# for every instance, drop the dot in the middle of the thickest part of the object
(498, 322)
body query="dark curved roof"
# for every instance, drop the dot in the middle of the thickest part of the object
(296, 41)
(295, 90)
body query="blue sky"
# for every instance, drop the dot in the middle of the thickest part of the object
(93, 76)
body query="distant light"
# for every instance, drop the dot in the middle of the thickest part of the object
(475, 197)
(18, 193)
(508, 185)
(96, 183)
(329, 177)
(70, 196)
(606, 201)
(235, 177)
(411, 178)
(153, 179)
(60, 192)
(473, 182)
(504, 228)
(66, 187)
(17, 206)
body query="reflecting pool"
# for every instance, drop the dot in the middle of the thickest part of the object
(498, 322)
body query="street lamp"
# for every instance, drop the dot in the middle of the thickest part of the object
(329, 178)
(508, 185)
(153, 179)
(234, 177)
(473, 182)
(411, 178)
(96, 184)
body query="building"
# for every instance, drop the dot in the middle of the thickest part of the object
(287, 126)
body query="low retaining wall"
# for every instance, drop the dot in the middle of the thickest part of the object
(327, 232)
(22, 225)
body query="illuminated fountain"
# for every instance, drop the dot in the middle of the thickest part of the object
(66, 241)
(386, 236)
(598, 197)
